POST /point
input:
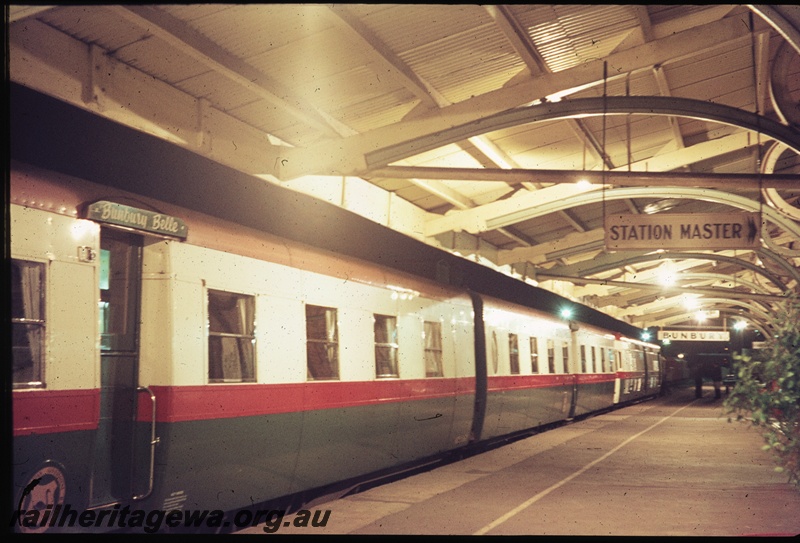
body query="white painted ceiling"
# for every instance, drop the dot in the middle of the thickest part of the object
(468, 126)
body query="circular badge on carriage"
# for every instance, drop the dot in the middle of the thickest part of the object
(37, 502)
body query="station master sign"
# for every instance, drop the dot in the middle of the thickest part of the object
(715, 231)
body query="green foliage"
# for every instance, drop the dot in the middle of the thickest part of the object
(768, 389)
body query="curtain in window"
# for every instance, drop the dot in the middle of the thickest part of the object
(385, 346)
(534, 356)
(231, 351)
(513, 353)
(433, 349)
(322, 350)
(493, 353)
(28, 322)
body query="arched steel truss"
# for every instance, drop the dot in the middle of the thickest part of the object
(755, 287)
(709, 195)
(600, 265)
(583, 107)
(772, 197)
(758, 318)
(757, 311)
(785, 137)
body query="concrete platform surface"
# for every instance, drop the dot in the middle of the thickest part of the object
(673, 466)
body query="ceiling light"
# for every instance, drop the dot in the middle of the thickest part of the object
(690, 302)
(700, 316)
(667, 274)
(660, 205)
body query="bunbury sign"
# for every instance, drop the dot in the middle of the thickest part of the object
(683, 231)
(695, 335)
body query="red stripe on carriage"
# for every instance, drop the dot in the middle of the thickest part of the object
(43, 411)
(204, 402)
(51, 411)
(630, 374)
(592, 378)
(514, 382)
(186, 403)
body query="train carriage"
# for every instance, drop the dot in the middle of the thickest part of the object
(205, 364)
(639, 367)
(595, 371)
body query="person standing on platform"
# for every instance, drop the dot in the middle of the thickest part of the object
(716, 377)
(696, 371)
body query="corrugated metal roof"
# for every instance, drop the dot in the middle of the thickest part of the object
(568, 35)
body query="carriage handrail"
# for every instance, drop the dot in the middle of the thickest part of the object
(154, 440)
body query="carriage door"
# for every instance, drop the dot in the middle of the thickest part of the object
(120, 288)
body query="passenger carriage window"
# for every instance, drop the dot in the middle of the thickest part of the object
(551, 356)
(231, 337)
(433, 349)
(513, 353)
(322, 343)
(603, 359)
(565, 356)
(594, 359)
(386, 346)
(534, 356)
(27, 323)
(639, 360)
(583, 359)
(494, 355)
(656, 362)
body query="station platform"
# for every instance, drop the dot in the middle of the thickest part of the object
(672, 466)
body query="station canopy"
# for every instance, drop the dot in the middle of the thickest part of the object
(639, 159)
